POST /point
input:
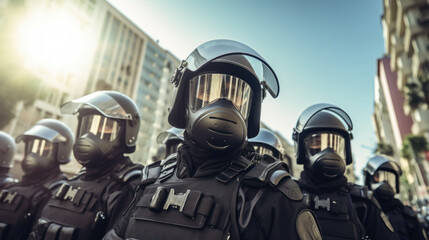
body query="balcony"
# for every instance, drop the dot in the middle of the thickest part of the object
(404, 70)
(397, 48)
(413, 28)
(421, 121)
(421, 54)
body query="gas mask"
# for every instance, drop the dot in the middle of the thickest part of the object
(384, 185)
(98, 140)
(217, 111)
(326, 153)
(39, 156)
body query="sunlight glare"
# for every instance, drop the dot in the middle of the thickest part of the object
(51, 41)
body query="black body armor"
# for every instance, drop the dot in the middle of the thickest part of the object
(173, 208)
(404, 220)
(20, 205)
(81, 209)
(333, 210)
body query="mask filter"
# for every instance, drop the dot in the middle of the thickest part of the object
(218, 126)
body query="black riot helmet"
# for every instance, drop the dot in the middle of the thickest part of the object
(109, 122)
(48, 143)
(171, 139)
(381, 175)
(7, 150)
(218, 92)
(266, 142)
(322, 138)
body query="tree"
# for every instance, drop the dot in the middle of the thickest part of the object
(417, 93)
(413, 145)
(384, 148)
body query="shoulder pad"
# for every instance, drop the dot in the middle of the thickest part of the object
(288, 186)
(274, 174)
(150, 173)
(169, 159)
(360, 191)
(129, 172)
(408, 211)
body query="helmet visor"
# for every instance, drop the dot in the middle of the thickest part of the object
(40, 131)
(207, 88)
(387, 176)
(215, 49)
(312, 110)
(106, 129)
(40, 147)
(318, 142)
(101, 102)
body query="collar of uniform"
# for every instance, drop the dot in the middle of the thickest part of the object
(192, 163)
(316, 185)
(107, 169)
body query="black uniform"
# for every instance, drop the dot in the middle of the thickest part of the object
(350, 206)
(381, 175)
(88, 205)
(403, 219)
(260, 210)
(21, 203)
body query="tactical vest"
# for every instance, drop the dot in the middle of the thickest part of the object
(336, 215)
(203, 208)
(78, 209)
(18, 208)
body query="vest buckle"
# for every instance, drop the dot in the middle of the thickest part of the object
(71, 193)
(325, 203)
(176, 201)
(9, 197)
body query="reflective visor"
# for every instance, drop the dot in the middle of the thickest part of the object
(387, 176)
(212, 50)
(100, 101)
(104, 128)
(40, 147)
(207, 88)
(317, 142)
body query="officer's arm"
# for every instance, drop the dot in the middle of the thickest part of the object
(377, 223)
(414, 228)
(292, 218)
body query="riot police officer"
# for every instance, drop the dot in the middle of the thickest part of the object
(7, 154)
(381, 175)
(172, 138)
(47, 145)
(266, 142)
(209, 191)
(322, 138)
(87, 205)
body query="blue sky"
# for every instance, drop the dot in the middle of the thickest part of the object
(321, 51)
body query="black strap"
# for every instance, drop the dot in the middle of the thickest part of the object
(53, 232)
(236, 167)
